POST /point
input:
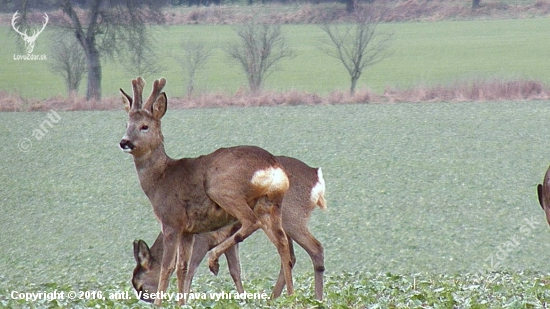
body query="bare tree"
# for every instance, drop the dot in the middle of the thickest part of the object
(143, 61)
(358, 45)
(194, 58)
(68, 60)
(105, 27)
(350, 5)
(259, 51)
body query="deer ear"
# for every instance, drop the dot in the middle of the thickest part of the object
(160, 106)
(126, 100)
(541, 198)
(142, 254)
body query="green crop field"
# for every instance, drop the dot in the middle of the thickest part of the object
(424, 202)
(425, 53)
(429, 205)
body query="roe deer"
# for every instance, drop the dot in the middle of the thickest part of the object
(306, 191)
(543, 191)
(197, 195)
(146, 274)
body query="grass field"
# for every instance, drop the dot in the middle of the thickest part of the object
(424, 53)
(430, 193)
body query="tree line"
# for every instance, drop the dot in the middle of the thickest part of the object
(97, 29)
(18, 5)
(23, 5)
(92, 29)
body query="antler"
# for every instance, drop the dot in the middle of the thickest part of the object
(137, 85)
(15, 16)
(158, 85)
(137, 101)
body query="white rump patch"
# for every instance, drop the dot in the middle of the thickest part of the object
(272, 179)
(318, 191)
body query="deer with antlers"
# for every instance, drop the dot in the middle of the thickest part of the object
(306, 192)
(29, 40)
(197, 195)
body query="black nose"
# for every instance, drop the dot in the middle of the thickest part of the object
(126, 144)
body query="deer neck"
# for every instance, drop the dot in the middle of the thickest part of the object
(151, 166)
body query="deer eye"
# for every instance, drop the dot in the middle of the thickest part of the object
(144, 128)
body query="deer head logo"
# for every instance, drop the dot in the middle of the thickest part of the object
(29, 40)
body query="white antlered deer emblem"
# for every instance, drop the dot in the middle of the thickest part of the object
(29, 40)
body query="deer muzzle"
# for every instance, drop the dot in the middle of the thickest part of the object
(126, 145)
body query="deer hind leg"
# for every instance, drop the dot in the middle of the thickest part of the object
(249, 224)
(232, 256)
(278, 289)
(269, 212)
(315, 250)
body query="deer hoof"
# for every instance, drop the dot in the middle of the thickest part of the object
(213, 265)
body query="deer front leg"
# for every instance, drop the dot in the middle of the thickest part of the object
(168, 263)
(200, 248)
(184, 253)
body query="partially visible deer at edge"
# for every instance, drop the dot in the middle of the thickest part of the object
(196, 195)
(306, 191)
(543, 191)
